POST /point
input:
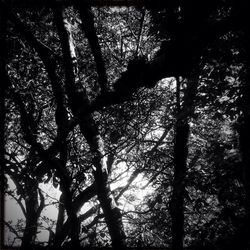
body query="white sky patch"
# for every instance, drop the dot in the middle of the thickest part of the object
(52, 195)
(14, 213)
(137, 191)
(168, 82)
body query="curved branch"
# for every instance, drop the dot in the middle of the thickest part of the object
(48, 58)
(147, 74)
(44, 52)
(90, 32)
(31, 137)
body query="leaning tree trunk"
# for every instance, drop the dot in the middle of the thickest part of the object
(78, 98)
(180, 161)
(67, 199)
(59, 223)
(111, 211)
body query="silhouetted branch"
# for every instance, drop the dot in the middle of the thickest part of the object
(12, 229)
(18, 200)
(88, 27)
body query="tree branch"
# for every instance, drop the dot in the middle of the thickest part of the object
(42, 202)
(67, 58)
(31, 138)
(12, 229)
(48, 58)
(18, 200)
(84, 197)
(140, 32)
(44, 52)
(131, 179)
(88, 27)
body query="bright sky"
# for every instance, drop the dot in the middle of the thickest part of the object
(13, 211)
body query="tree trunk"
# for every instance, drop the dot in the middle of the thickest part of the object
(182, 130)
(111, 211)
(177, 201)
(31, 203)
(65, 185)
(59, 224)
(71, 212)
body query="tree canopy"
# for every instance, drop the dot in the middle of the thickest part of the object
(136, 114)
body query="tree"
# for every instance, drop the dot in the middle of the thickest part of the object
(2, 119)
(28, 190)
(84, 93)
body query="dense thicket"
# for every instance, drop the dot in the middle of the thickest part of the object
(137, 115)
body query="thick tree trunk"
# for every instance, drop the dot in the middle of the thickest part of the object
(74, 233)
(180, 168)
(182, 130)
(63, 228)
